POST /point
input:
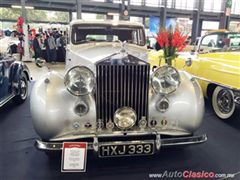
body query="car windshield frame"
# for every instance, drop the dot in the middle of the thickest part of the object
(220, 42)
(131, 34)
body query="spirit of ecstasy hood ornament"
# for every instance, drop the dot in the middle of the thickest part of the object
(123, 46)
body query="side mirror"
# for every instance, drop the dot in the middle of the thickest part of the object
(188, 62)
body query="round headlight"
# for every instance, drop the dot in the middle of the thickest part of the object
(125, 118)
(79, 80)
(165, 80)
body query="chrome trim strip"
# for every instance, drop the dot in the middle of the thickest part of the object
(7, 99)
(57, 146)
(184, 140)
(219, 84)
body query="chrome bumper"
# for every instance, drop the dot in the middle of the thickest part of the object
(166, 142)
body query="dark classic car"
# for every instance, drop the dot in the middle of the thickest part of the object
(14, 77)
(111, 99)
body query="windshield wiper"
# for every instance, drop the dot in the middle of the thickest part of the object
(82, 41)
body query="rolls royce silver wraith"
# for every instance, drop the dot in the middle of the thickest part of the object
(112, 99)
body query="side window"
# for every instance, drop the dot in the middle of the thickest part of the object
(138, 37)
(141, 37)
(134, 37)
(208, 43)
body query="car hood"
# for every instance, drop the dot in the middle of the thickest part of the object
(88, 54)
(227, 58)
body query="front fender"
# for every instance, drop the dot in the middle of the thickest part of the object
(16, 69)
(52, 108)
(186, 107)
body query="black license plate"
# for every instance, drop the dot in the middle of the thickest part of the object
(126, 149)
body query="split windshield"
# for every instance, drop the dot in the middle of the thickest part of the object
(106, 33)
(223, 42)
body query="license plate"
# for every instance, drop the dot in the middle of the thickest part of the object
(126, 149)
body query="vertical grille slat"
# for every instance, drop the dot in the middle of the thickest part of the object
(114, 89)
(142, 92)
(110, 94)
(120, 85)
(106, 93)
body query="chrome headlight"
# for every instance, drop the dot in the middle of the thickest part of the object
(165, 80)
(79, 80)
(125, 118)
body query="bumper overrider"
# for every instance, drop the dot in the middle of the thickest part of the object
(126, 145)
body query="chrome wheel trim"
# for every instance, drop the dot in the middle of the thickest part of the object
(23, 88)
(223, 102)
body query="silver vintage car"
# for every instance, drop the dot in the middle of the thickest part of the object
(112, 99)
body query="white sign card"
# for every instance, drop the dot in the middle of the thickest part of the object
(74, 157)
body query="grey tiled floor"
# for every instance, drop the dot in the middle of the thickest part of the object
(36, 72)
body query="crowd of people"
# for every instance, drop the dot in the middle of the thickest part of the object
(49, 45)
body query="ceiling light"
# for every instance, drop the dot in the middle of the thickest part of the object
(112, 14)
(20, 7)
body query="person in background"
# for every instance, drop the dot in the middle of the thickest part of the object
(64, 44)
(59, 48)
(45, 44)
(21, 46)
(36, 47)
(148, 43)
(157, 46)
(52, 48)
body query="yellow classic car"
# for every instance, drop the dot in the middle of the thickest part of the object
(216, 64)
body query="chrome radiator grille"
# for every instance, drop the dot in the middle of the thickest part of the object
(122, 85)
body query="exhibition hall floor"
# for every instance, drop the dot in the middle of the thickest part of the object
(20, 160)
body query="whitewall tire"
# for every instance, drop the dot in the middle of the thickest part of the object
(223, 102)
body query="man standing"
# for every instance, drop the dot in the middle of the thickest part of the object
(36, 47)
(52, 48)
(47, 48)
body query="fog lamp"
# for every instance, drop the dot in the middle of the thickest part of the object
(162, 105)
(125, 118)
(81, 108)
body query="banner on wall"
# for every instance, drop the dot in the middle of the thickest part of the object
(154, 24)
(171, 23)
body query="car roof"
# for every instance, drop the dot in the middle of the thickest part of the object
(106, 22)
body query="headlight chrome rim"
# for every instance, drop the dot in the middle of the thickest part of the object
(75, 93)
(122, 109)
(159, 69)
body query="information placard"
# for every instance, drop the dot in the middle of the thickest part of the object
(74, 157)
